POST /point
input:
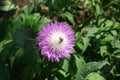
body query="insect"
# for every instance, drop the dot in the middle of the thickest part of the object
(60, 40)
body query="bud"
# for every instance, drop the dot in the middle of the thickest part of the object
(85, 31)
(44, 9)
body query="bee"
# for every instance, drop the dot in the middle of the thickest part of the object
(60, 40)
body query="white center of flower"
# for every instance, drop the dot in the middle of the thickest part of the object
(58, 40)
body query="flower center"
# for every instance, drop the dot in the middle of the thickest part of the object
(57, 40)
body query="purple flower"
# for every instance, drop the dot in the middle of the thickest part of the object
(56, 41)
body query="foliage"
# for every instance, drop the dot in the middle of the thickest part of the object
(96, 52)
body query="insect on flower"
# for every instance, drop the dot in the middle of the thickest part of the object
(56, 41)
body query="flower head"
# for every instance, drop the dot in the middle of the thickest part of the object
(56, 40)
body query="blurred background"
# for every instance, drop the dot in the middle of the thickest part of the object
(97, 48)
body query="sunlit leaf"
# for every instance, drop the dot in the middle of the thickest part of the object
(6, 5)
(94, 76)
(103, 51)
(69, 16)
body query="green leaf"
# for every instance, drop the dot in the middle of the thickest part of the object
(103, 50)
(69, 16)
(116, 25)
(108, 39)
(65, 65)
(4, 73)
(79, 40)
(43, 21)
(3, 43)
(63, 73)
(6, 5)
(3, 28)
(24, 37)
(16, 22)
(79, 61)
(12, 59)
(91, 30)
(94, 76)
(19, 53)
(7, 51)
(29, 72)
(85, 43)
(72, 65)
(28, 9)
(116, 44)
(78, 35)
(98, 10)
(114, 32)
(88, 68)
(32, 19)
(80, 45)
(107, 25)
(26, 64)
